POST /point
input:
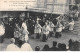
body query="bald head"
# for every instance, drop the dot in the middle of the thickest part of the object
(12, 40)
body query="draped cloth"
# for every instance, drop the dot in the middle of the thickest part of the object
(37, 28)
(2, 30)
(24, 32)
(12, 47)
(71, 25)
(26, 47)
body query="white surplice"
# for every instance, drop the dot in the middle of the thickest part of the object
(26, 47)
(2, 30)
(12, 47)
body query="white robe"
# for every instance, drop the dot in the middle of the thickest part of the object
(12, 47)
(26, 47)
(17, 34)
(25, 31)
(71, 25)
(59, 28)
(51, 26)
(76, 14)
(2, 30)
(37, 28)
(46, 30)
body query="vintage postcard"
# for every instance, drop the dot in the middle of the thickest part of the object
(39, 25)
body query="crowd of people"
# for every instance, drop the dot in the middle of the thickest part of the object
(13, 47)
(22, 29)
(72, 46)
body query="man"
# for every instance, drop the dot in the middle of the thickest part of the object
(11, 26)
(46, 48)
(76, 15)
(37, 30)
(2, 31)
(71, 25)
(42, 22)
(12, 46)
(51, 28)
(2, 28)
(17, 34)
(59, 28)
(37, 48)
(55, 21)
(54, 48)
(45, 31)
(22, 29)
(26, 47)
(24, 33)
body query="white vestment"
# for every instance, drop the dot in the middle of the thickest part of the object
(2, 30)
(37, 28)
(71, 25)
(59, 28)
(25, 31)
(26, 47)
(12, 47)
(51, 26)
(46, 29)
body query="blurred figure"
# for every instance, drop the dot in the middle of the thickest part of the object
(59, 28)
(45, 32)
(59, 46)
(76, 46)
(46, 48)
(12, 46)
(51, 25)
(70, 44)
(76, 15)
(62, 47)
(26, 47)
(37, 30)
(22, 29)
(2, 31)
(55, 21)
(42, 22)
(17, 35)
(25, 31)
(54, 48)
(71, 16)
(63, 22)
(71, 25)
(37, 48)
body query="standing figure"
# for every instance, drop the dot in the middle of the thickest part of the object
(71, 25)
(26, 47)
(51, 25)
(37, 30)
(45, 31)
(54, 47)
(22, 28)
(2, 31)
(24, 32)
(12, 46)
(21, 34)
(59, 28)
(17, 34)
(76, 15)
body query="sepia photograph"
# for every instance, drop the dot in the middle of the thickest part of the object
(39, 25)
